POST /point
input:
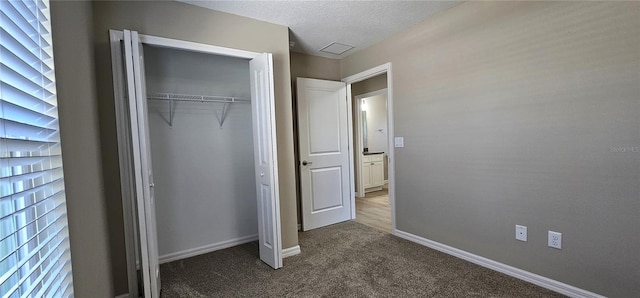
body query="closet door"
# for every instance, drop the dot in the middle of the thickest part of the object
(143, 173)
(264, 142)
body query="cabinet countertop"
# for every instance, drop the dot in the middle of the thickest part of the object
(372, 153)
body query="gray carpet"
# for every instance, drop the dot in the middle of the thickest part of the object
(343, 260)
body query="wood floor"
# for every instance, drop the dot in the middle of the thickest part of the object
(374, 210)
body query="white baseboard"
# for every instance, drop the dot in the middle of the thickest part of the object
(205, 249)
(527, 276)
(291, 251)
(126, 295)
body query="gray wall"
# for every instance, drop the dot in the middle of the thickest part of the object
(522, 113)
(204, 174)
(79, 131)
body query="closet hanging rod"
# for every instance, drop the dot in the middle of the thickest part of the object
(173, 97)
(197, 98)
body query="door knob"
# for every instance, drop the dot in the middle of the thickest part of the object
(304, 162)
(152, 185)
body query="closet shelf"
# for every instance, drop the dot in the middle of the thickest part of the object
(173, 97)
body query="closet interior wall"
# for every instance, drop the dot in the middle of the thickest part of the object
(204, 173)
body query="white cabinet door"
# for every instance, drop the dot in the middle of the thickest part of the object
(377, 174)
(366, 174)
(324, 152)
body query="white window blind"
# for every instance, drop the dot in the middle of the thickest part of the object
(34, 244)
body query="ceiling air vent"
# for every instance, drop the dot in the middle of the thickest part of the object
(336, 48)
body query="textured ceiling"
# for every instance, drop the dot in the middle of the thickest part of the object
(315, 24)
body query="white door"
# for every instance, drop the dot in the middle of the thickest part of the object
(264, 142)
(324, 152)
(143, 173)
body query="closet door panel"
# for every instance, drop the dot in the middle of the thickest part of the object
(134, 65)
(262, 99)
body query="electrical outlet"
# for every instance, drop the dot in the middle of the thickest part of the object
(521, 233)
(555, 240)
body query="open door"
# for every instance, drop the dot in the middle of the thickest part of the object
(135, 157)
(264, 142)
(324, 152)
(143, 174)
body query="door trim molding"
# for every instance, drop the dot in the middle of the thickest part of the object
(361, 76)
(195, 46)
(527, 276)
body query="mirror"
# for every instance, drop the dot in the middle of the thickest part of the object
(364, 132)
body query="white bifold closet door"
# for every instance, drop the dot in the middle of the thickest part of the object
(143, 174)
(142, 192)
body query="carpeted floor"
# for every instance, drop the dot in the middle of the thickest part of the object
(343, 260)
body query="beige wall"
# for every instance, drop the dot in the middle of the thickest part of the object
(518, 113)
(78, 110)
(186, 22)
(376, 83)
(307, 66)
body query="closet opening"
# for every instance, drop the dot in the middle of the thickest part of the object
(200, 131)
(198, 161)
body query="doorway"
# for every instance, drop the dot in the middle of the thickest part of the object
(326, 124)
(137, 179)
(373, 207)
(373, 142)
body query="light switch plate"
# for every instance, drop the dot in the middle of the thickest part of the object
(398, 142)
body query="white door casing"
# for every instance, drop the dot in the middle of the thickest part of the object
(264, 142)
(143, 173)
(324, 152)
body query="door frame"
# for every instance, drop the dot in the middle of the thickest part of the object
(359, 146)
(127, 188)
(358, 77)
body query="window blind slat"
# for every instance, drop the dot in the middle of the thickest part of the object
(14, 30)
(57, 269)
(20, 130)
(48, 207)
(19, 81)
(11, 60)
(13, 45)
(50, 260)
(26, 100)
(34, 245)
(28, 148)
(56, 288)
(28, 164)
(25, 26)
(23, 114)
(11, 222)
(37, 193)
